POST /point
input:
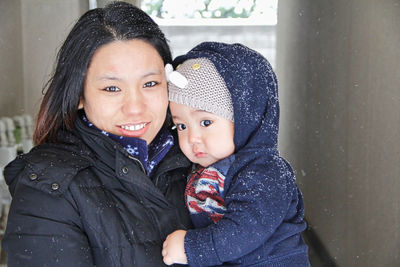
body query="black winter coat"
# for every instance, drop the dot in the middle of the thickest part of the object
(85, 202)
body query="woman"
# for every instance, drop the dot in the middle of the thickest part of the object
(104, 185)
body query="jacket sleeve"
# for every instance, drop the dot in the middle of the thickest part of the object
(44, 230)
(257, 202)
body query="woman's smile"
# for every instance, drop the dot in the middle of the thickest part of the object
(134, 127)
(134, 130)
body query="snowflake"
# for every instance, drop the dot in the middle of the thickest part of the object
(152, 164)
(132, 150)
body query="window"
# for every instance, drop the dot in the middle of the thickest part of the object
(190, 22)
(260, 11)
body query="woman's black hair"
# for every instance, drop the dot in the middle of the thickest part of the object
(95, 28)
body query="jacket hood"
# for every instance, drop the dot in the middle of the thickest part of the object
(254, 90)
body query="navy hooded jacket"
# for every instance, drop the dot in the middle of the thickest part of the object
(264, 218)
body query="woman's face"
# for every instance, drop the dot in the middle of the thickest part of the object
(125, 90)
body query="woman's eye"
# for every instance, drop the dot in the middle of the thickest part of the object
(150, 84)
(112, 89)
(205, 123)
(181, 126)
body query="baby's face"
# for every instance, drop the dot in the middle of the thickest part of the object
(204, 138)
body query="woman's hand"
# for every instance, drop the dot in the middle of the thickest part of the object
(174, 248)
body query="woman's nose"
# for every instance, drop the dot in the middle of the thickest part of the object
(133, 102)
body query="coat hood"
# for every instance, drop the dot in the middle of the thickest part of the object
(254, 90)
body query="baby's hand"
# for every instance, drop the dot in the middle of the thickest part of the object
(174, 248)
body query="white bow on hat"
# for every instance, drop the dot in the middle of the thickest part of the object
(175, 77)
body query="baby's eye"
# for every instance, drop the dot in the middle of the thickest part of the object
(180, 126)
(112, 89)
(206, 123)
(150, 84)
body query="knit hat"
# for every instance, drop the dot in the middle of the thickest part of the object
(196, 83)
(253, 88)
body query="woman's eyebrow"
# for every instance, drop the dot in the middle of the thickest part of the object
(114, 77)
(109, 77)
(150, 73)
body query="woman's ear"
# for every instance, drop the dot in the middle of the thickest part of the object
(80, 105)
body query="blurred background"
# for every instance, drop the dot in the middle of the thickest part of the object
(338, 67)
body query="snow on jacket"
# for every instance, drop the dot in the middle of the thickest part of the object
(264, 214)
(86, 202)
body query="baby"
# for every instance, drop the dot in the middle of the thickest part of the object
(242, 196)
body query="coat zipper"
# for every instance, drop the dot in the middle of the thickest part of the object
(140, 163)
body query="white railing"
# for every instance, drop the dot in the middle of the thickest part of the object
(15, 138)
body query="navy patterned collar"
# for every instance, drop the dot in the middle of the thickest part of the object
(223, 165)
(150, 155)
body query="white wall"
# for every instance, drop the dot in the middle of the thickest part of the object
(11, 81)
(45, 25)
(30, 35)
(338, 69)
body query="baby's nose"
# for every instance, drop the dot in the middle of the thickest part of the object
(194, 137)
